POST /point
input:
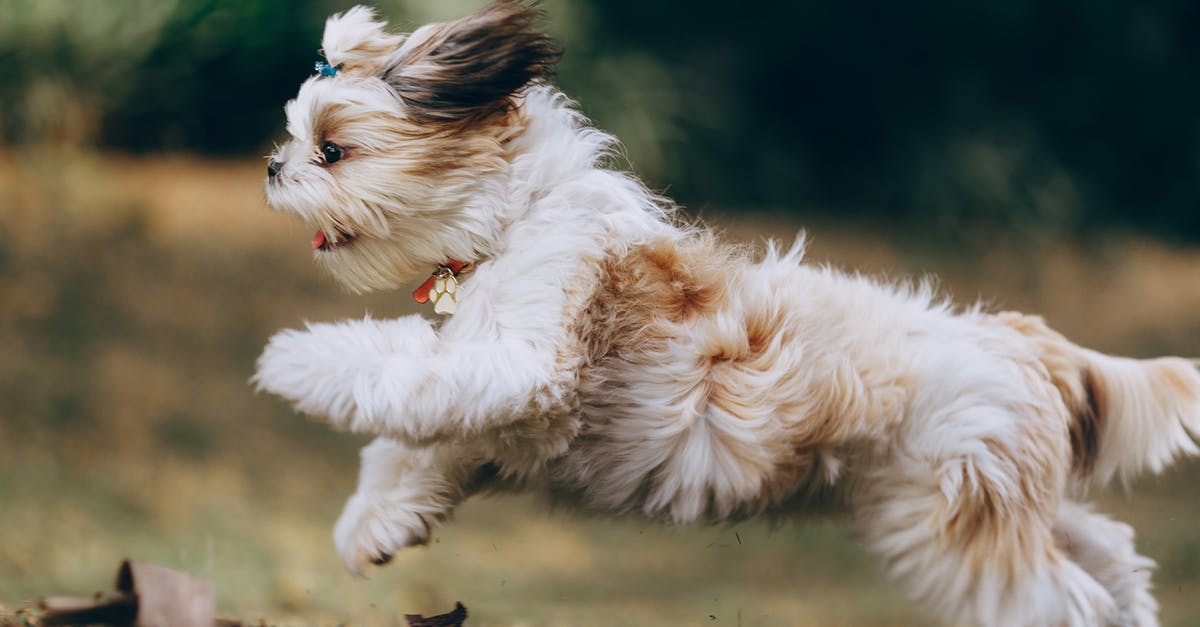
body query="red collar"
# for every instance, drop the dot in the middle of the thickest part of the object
(452, 266)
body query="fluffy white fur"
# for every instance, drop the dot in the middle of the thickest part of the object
(620, 361)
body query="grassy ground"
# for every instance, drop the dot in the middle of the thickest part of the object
(135, 295)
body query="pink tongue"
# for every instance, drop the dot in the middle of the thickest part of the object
(318, 240)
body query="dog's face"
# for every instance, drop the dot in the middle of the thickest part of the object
(397, 158)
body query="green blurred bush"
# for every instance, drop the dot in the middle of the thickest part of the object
(1038, 117)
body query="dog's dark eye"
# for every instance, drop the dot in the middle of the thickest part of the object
(331, 151)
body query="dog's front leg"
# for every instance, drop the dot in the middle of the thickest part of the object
(466, 389)
(386, 378)
(403, 493)
(329, 369)
(494, 362)
(396, 378)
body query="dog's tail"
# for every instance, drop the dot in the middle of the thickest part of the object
(1127, 415)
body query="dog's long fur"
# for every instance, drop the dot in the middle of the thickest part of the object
(608, 354)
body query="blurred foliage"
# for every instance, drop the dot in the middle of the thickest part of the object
(1032, 111)
(1036, 117)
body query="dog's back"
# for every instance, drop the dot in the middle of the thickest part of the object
(714, 385)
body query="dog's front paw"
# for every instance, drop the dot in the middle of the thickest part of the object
(373, 527)
(297, 366)
(354, 374)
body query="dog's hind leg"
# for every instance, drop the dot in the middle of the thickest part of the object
(403, 493)
(962, 506)
(975, 557)
(1104, 548)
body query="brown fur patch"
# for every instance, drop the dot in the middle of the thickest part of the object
(1086, 426)
(651, 288)
(327, 120)
(663, 292)
(428, 151)
(999, 525)
(977, 514)
(1081, 391)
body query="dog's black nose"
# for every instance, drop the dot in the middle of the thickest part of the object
(273, 168)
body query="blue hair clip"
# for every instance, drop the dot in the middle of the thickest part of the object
(324, 69)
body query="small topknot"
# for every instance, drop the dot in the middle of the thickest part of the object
(356, 42)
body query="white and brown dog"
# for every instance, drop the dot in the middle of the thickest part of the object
(605, 353)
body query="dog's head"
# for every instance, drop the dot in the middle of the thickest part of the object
(396, 151)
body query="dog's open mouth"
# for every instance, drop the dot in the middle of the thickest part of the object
(321, 242)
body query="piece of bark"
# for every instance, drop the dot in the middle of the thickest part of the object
(167, 597)
(109, 608)
(454, 618)
(147, 595)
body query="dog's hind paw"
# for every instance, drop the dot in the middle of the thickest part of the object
(374, 526)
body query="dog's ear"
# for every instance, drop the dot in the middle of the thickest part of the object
(357, 43)
(472, 66)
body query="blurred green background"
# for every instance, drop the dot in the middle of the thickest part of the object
(1038, 155)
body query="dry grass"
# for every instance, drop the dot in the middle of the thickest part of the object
(137, 292)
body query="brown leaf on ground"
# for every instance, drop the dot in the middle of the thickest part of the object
(454, 618)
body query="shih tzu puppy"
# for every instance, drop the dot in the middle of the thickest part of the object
(604, 352)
